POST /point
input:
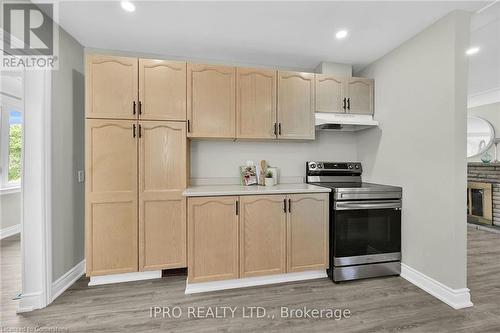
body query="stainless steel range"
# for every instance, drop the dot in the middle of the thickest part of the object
(365, 222)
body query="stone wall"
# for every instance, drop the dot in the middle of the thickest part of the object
(487, 173)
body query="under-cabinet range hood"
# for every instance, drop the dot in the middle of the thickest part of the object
(344, 122)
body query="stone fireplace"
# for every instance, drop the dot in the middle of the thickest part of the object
(483, 193)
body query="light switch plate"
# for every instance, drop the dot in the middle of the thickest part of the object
(81, 176)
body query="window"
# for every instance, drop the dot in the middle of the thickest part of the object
(11, 143)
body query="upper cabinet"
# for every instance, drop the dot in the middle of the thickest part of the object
(295, 105)
(344, 94)
(255, 104)
(330, 93)
(360, 95)
(220, 101)
(111, 84)
(211, 101)
(162, 90)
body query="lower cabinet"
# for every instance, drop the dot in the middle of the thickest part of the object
(262, 235)
(238, 237)
(212, 239)
(307, 232)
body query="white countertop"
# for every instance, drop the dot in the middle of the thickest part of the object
(218, 190)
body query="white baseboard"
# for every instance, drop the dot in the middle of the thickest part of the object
(67, 280)
(10, 231)
(456, 298)
(30, 302)
(201, 287)
(125, 277)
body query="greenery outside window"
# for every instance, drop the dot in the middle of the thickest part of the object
(11, 143)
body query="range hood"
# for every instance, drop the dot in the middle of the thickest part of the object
(343, 122)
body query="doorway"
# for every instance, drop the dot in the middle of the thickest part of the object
(11, 170)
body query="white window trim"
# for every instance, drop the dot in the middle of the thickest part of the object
(10, 190)
(7, 102)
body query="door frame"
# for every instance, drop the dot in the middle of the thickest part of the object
(36, 240)
(36, 214)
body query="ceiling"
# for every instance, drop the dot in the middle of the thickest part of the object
(295, 35)
(287, 34)
(484, 67)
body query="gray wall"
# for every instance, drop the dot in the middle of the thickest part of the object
(490, 112)
(68, 121)
(10, 209)
(420, 101)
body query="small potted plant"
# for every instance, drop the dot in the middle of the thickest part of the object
(269, 181)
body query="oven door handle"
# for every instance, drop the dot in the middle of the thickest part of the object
(382, 204)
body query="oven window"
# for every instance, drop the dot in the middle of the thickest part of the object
(366, 231)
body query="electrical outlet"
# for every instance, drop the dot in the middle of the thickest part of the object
(81, 176)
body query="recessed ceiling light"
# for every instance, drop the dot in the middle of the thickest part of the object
(128, 6)
(341, 34)
(472, 50)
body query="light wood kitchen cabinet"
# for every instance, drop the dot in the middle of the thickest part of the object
(359, 95)
(211, 103)
(162, 207)
(162, 90)
(255, 103)
(111, 84)
(330, 93)
(296, 105)
(262, 235)
(212, 239)
(307, 232)
(111, 197)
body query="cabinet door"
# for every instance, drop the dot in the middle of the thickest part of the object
(111, 197)
(162, 208)
(211, 101)
(162, 90)
(307, 232)
(212, 239)
(296, 105)
(255, 103)
(360, 95)
(111, 84)
(262, 235)
(330, 93)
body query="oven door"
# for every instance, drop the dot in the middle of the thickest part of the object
(366, 232)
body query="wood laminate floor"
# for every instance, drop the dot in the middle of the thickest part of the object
(377, 305)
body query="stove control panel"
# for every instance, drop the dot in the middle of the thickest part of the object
(334, 166)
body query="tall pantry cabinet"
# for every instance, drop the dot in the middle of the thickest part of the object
(136, 164)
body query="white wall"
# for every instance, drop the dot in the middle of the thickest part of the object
(221, 159)
(420, 101)
(491, 113)
(68, 123)
(10, 209)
